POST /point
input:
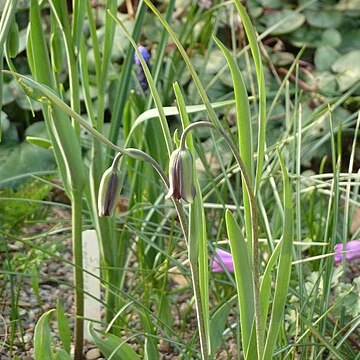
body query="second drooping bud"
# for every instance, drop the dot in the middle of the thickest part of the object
(110, 188)
(181, 174)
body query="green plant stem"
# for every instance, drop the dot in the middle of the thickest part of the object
(255, 245)
(78, 272)
(200, 313)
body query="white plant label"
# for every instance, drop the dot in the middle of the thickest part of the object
(91, 263)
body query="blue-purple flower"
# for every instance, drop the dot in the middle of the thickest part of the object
(351, 251)
(222, 259)
(140, 71)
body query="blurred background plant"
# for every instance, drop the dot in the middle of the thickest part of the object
(310, 54)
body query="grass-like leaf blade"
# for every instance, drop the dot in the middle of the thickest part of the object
(243, 277)
(284, 268)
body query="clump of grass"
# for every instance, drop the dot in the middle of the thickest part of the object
(24, 203)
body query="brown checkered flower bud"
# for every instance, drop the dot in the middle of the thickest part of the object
(181, 174)
(110, 188)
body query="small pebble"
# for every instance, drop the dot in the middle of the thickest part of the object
(93, 354)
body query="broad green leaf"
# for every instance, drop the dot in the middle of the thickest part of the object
(27, 157)
(111, 345)
(331, 37)
(325, 56)
(294, 21)
(313, 37)
(64, 328)
(324, 19)
(348, 69)
(243, 277)
(42, 337)
(326, 82)
(348, 5)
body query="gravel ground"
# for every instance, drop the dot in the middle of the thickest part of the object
(54, 277)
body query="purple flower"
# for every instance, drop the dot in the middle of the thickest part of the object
(140, 71)
(352, 249)
(145, 54)
(222, 259)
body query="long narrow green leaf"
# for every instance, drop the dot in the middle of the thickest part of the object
(255, 50)
(173, 110)
(61, 13)
(334, 351)
(151, 351)
(265, 294)
(243, 119)
(78, 22)
(243, 115)
(64, 328)
(218, 321)
(243, 277)
(41, 67)
(284, 268)
(265, 287)
(62, 135)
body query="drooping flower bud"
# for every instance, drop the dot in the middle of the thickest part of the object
(109, 190)
(181, 176)
(140, 71)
